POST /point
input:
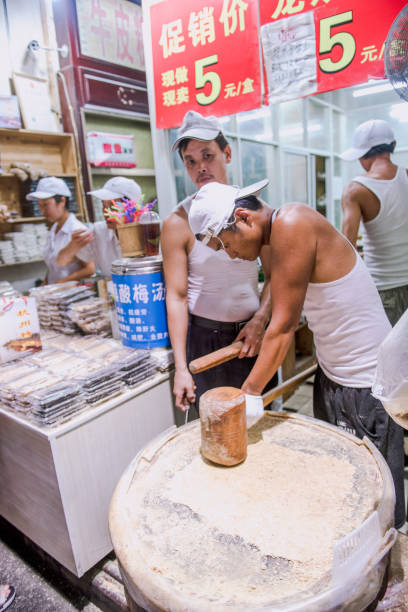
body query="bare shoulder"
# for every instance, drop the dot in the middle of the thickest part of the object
(356, 193)
(176, 221)
(176, 232)
(295, 213)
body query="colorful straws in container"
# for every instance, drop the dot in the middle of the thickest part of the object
(127, 211)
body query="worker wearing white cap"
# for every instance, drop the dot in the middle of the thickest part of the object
(379, 199)
(314, 268)
(211, 300)
(53, 195)
(100, 242)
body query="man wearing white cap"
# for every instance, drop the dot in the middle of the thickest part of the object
(314, 268)
(211, 300)
(379, 199)
(53, 195)
(100, 242)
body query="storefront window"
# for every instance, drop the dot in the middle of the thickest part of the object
(318, 134)
(257, 162)
(295, 185)
(256, 124)
(337, 214)
(233, 166)
(339, 132)
(291, 128)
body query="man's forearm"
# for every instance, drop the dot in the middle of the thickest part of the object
(273, 351)
(177, 319)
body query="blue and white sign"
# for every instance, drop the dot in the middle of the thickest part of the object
(141, 308)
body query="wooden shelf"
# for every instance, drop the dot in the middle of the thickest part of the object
(24, 220)
(124, 171)
(36, 135)
(54, 152)
(60, 175)
(20, 263)
(31, 219)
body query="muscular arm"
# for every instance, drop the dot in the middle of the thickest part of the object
(352, 213)
(174, 243)
(79, 239)
(87, 269)
(292, 262)
(252, 333)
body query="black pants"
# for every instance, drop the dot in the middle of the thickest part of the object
(361, 414)
(200, 341)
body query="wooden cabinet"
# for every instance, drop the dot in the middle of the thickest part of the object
(52, 152)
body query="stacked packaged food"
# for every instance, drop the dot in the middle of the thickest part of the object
(54, 303)
(134, 365)
(34, 392)
(72, 372)
(97, 380)
(91, 316)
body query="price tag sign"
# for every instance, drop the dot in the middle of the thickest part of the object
(313, 46)
(205, 58)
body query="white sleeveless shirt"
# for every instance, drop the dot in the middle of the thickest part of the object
(219, 287)
(385, 238)
(349, 323)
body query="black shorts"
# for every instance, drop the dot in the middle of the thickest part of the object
(360, 413)
(203, 340)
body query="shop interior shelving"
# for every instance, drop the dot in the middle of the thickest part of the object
(50, 151)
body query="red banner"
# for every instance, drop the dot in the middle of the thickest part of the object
(312, 46)
(205, 58)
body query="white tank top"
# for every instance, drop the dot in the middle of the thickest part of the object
(385, 238)
(219, 287)
(349, 323)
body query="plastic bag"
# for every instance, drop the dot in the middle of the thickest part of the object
(391, 378)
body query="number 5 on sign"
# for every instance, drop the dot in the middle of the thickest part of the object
(201, 78)
(327, 41)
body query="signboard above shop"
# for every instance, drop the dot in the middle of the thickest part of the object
(111, 31)
(206, 53)
(313, 46)
(206, 58)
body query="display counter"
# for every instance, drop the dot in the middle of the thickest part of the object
(57, 482)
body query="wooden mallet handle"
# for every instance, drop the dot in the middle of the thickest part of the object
(288, 385)
(226, 353)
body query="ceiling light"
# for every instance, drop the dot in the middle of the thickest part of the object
(365, 91)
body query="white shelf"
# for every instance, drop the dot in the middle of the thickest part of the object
(20, 263)
(124, 171)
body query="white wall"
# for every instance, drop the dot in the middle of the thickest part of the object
(25, 24)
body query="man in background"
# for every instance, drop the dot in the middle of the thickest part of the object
(99, 241)
(211, 300)
(379, 199)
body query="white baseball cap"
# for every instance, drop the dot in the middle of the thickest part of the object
(367, 135)
(118, 187)
(197, 127)
(49, 187)
(213, 205)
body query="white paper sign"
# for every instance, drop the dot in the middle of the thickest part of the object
(289, 48)
(19, 328)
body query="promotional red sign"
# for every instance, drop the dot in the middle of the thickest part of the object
(348, 39)
(206, 58)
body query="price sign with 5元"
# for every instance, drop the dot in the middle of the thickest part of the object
(205, 58)
(312, 46)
